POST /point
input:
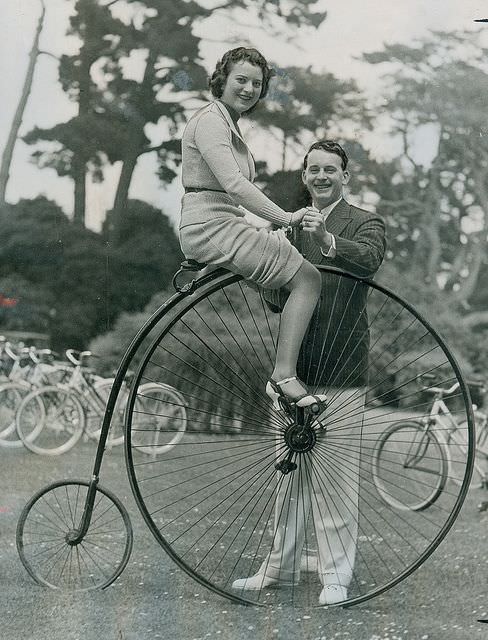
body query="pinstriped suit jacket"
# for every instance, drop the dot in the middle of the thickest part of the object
(335, 349)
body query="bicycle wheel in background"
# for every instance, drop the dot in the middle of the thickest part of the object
(95, 413)
(423, 461)
(159, 419)
(50, 420)
(211, 500)
(11, 394)
(43, 534)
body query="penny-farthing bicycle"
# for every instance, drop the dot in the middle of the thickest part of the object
(211, 501)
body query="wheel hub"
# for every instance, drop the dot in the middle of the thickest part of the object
(300, 438)
(72, 537)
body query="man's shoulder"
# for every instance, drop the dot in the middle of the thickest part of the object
(361, 214)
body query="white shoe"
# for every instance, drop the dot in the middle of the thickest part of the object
(332, 594)
(260, 581)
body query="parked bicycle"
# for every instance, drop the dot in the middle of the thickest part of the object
(27, 369)
(415, 458)
(210, 502)
(50, 420)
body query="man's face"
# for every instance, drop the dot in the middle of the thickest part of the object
(324, 177)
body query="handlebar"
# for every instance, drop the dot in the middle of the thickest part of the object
(22, 354)
(40, 355)
(77, 359)
(445, 391)
(10, 352)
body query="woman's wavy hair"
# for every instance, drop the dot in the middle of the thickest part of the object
(219, 77)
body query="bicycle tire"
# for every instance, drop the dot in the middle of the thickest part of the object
(11, 394)
(42, 537)
(159, 419)
(50, 420)
(216, 345)
(422, 467)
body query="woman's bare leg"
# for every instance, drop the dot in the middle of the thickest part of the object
(304, 290)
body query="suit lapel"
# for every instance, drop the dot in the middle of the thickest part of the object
(339, 218)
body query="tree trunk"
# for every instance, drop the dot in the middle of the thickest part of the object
(89, 53)
(122, 194)
(79, 178)
(283, 152)
(135, 148)
(19, 112)
(428, 251)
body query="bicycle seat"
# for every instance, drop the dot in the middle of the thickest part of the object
(192, 265)
(188, 265)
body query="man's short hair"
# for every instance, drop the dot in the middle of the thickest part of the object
(331, 147)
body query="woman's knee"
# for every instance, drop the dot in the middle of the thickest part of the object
(308, 276)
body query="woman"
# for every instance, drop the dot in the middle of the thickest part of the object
(218, 171)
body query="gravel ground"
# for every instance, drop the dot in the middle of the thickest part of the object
(443, 599)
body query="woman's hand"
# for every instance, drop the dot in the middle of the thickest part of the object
(297, 216)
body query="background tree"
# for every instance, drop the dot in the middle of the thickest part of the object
(68, 281)
(173, 76)
(304, 106)
(145, 257)
(438, 209)
(83, 143)
(117, 112)
(13, 134)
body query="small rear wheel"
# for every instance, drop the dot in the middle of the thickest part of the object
(44, 529)
(410, 466)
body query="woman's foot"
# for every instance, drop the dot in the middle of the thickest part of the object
(292, 391)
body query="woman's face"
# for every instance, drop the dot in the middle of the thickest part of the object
(243, 86)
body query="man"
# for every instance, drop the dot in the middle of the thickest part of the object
(333, 360)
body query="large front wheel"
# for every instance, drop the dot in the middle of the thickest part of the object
(248, 484)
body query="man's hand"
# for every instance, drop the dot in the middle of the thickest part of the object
(297, 217)
(313, 223)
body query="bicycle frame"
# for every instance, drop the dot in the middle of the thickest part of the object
(441, 416)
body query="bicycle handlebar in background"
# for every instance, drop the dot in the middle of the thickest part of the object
(428, 377)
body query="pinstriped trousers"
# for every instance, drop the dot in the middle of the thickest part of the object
(323, 491)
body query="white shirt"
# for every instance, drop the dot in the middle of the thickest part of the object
(326, 211)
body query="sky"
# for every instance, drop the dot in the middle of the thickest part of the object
(351, 28)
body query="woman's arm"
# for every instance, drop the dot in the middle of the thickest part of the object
(214, 141)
